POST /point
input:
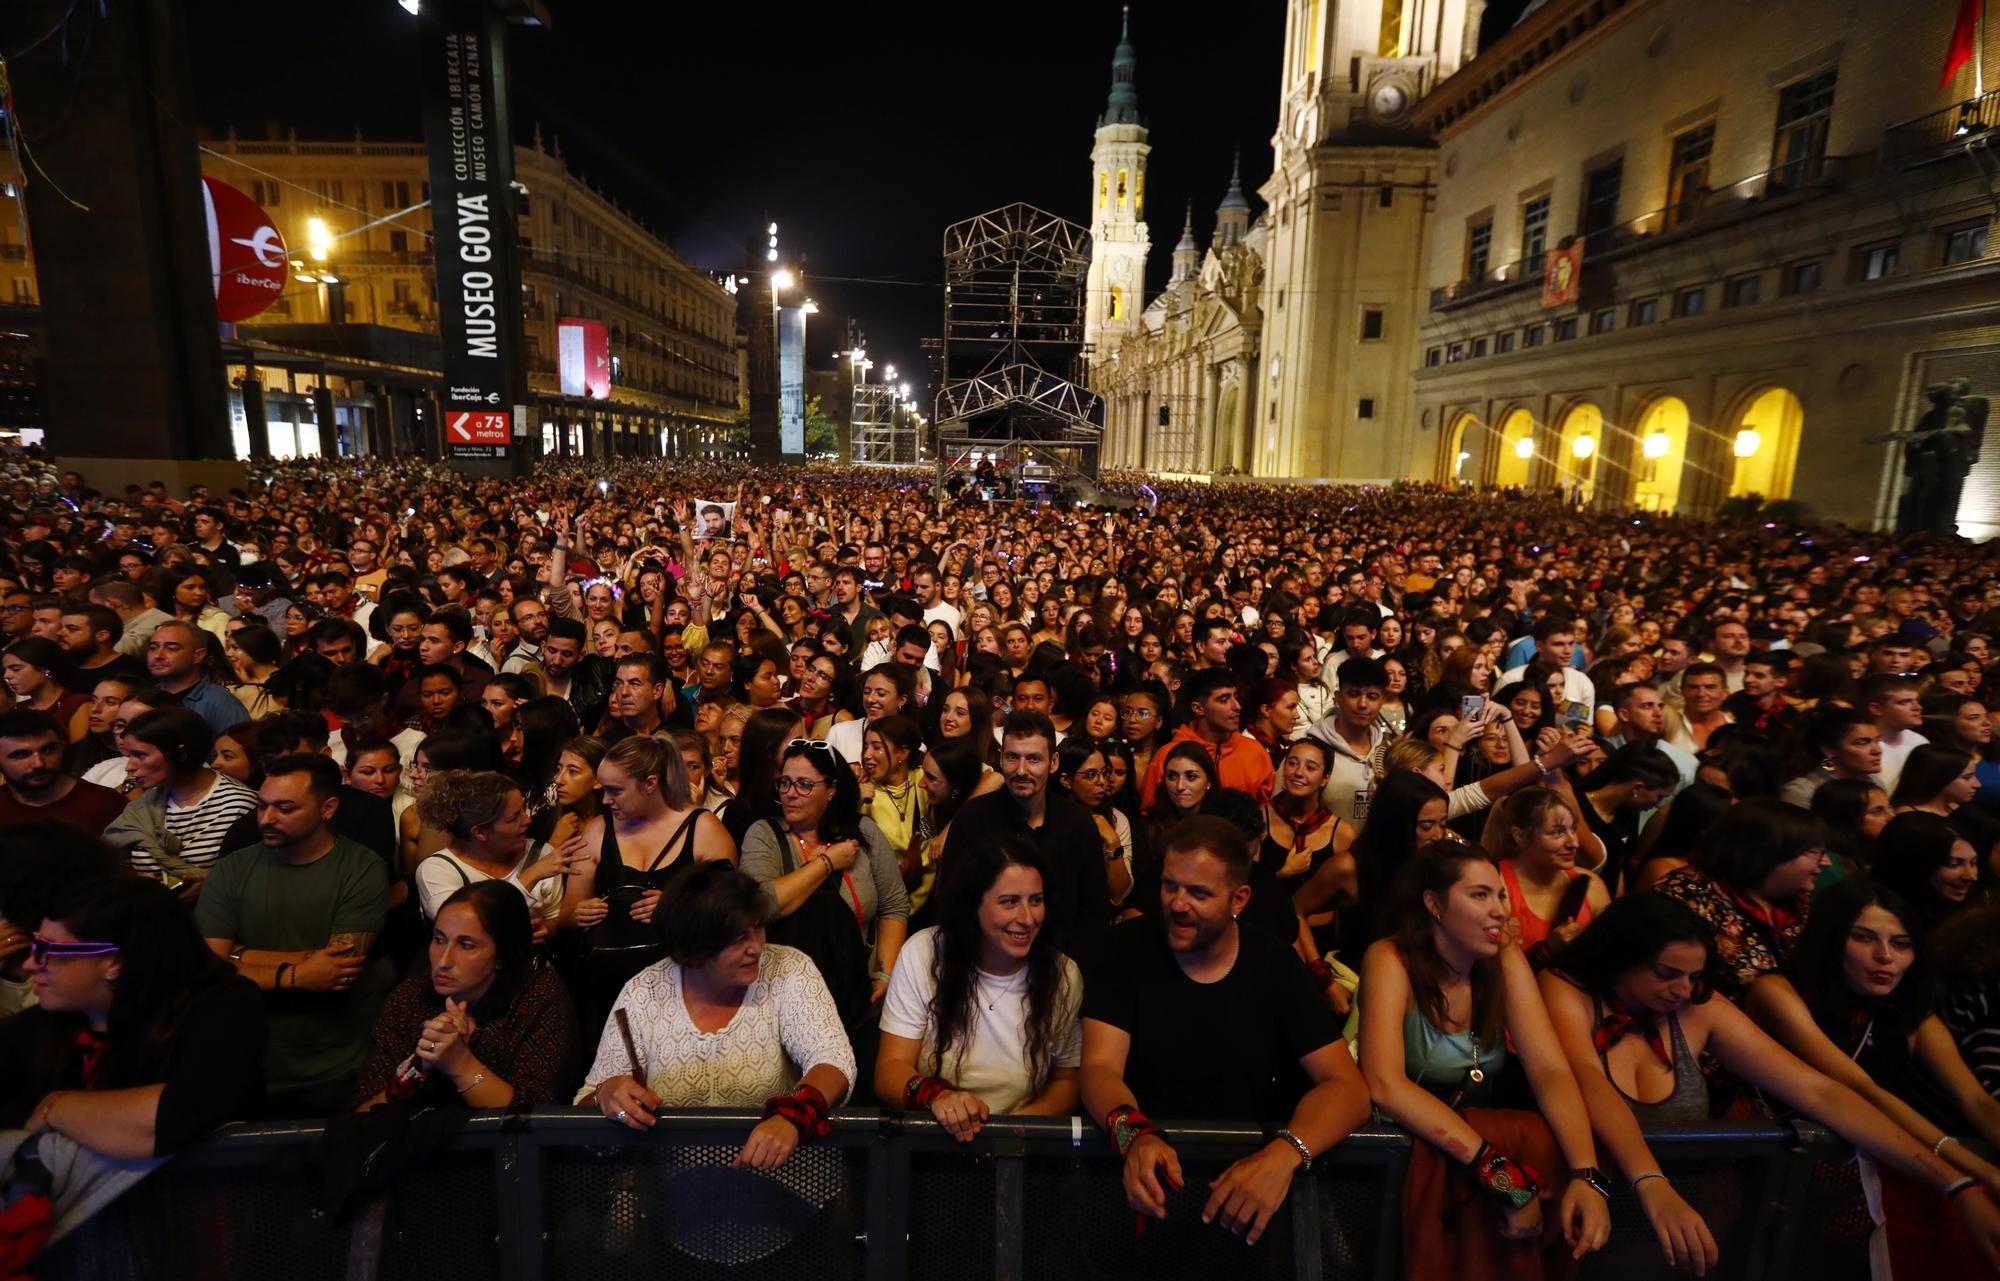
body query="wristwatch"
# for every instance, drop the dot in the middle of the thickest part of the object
(1594, 1177)
(1305, 1153)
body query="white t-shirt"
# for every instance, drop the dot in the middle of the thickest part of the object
(109, 772)
(1576, 686)
(994, 1065)
(444, 873)
(948, 612)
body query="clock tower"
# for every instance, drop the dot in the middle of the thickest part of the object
(1118, 235)
(1349, 194)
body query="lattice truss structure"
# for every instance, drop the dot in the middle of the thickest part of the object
(880, 433)
(1013, 339)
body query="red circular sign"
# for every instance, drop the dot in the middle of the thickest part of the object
(246, 255)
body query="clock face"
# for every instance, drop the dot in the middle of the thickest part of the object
(1388, 100)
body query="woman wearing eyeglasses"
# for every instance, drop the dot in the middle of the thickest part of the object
(821, 842)
(814, 702)
(142, 1042)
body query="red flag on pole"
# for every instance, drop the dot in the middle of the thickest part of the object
(1964, 39)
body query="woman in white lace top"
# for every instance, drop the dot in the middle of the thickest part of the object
(725, 1021)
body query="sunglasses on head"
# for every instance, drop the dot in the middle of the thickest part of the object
(41, 949)
(810, 744)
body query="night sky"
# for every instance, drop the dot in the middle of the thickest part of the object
(863, 130)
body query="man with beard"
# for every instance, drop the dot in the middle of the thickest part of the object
(1193, 1016)
(31, 750)
(297, 914)
(1079, 894)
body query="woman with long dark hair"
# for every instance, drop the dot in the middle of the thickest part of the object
(1079, 770)
(981, 1014)
(1670, 841)
(545, 724)
(1405, 813)
(1857, 1003)
(1923, 858)
(33, 670)
(1446, 1002)
(1629, 999)
(954, 771)
(1855, 811)
(1936, 779)
(479, 1024)
(143, 1040)
(764, 737)
(965, 712)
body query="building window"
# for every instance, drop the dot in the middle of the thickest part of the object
(1366, 409)
(1478, 249)
(1646, 311)
(1566, 329)
(1121, 188)
(23, 292)
(1804, 277)
(1879, 261)
(1534, 335)
(1139, 188)
(1281, 299)
(1117, 303)
(1478, 348)
(1691, 302)
(1433, 358)
(1603, 320)
(1687, 172)
(1103, 187)
(1600, 198)
(1534, 233)
(1741, 291)
(1371, 323)
(1454, 353)
(1805, 108)
(1389, 35)
(1386, 197)
(1503, 342)
(399, 242)
(1965, 244)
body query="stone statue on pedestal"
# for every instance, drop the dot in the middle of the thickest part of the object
(1938, 452)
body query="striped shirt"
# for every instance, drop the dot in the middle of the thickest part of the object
(201, 827)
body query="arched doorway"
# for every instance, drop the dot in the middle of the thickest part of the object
(1662, 454)
(1765, 444)
(1460, 465)
(1577, 447)
(1517, 449)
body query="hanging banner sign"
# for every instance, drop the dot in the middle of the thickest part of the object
(792, 381)
(583, 350)
(472, 212)
(1561, 282)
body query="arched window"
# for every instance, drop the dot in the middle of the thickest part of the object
(1121, 188)
(1117, 303)
(1139, 189)
(1103, 186)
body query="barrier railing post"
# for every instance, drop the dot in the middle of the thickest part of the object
(520, 1226)
(1389, 1235)
(886, 1241)
(1010, 1207)
(1308, 1257)
(1775, 1242)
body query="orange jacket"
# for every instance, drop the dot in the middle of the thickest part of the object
(1241, 763)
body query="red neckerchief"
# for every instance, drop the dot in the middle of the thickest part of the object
(1779, 920)
(1302, 830)
(90, 1047)
(1617, 1020)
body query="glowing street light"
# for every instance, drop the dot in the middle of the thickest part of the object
(782, 279)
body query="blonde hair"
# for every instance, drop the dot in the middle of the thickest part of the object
(458, 800)
(1411, 754)
(643, 756)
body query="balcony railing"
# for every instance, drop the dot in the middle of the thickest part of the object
(564, 1193)
(1932, 137)
(1709, 210)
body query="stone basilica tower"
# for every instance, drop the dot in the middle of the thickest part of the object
(1348, 199)
(1119, 240)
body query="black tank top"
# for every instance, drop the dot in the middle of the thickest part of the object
(624, 884)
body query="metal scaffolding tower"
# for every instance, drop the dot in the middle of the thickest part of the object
(1012, 350)
(883, 430)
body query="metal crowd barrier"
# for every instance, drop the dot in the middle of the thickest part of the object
(561, 1193)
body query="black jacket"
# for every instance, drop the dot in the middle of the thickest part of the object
(590, 689)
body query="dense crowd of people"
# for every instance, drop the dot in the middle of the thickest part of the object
(373, 786)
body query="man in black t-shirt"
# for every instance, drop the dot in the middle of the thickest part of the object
(1202, 1019)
